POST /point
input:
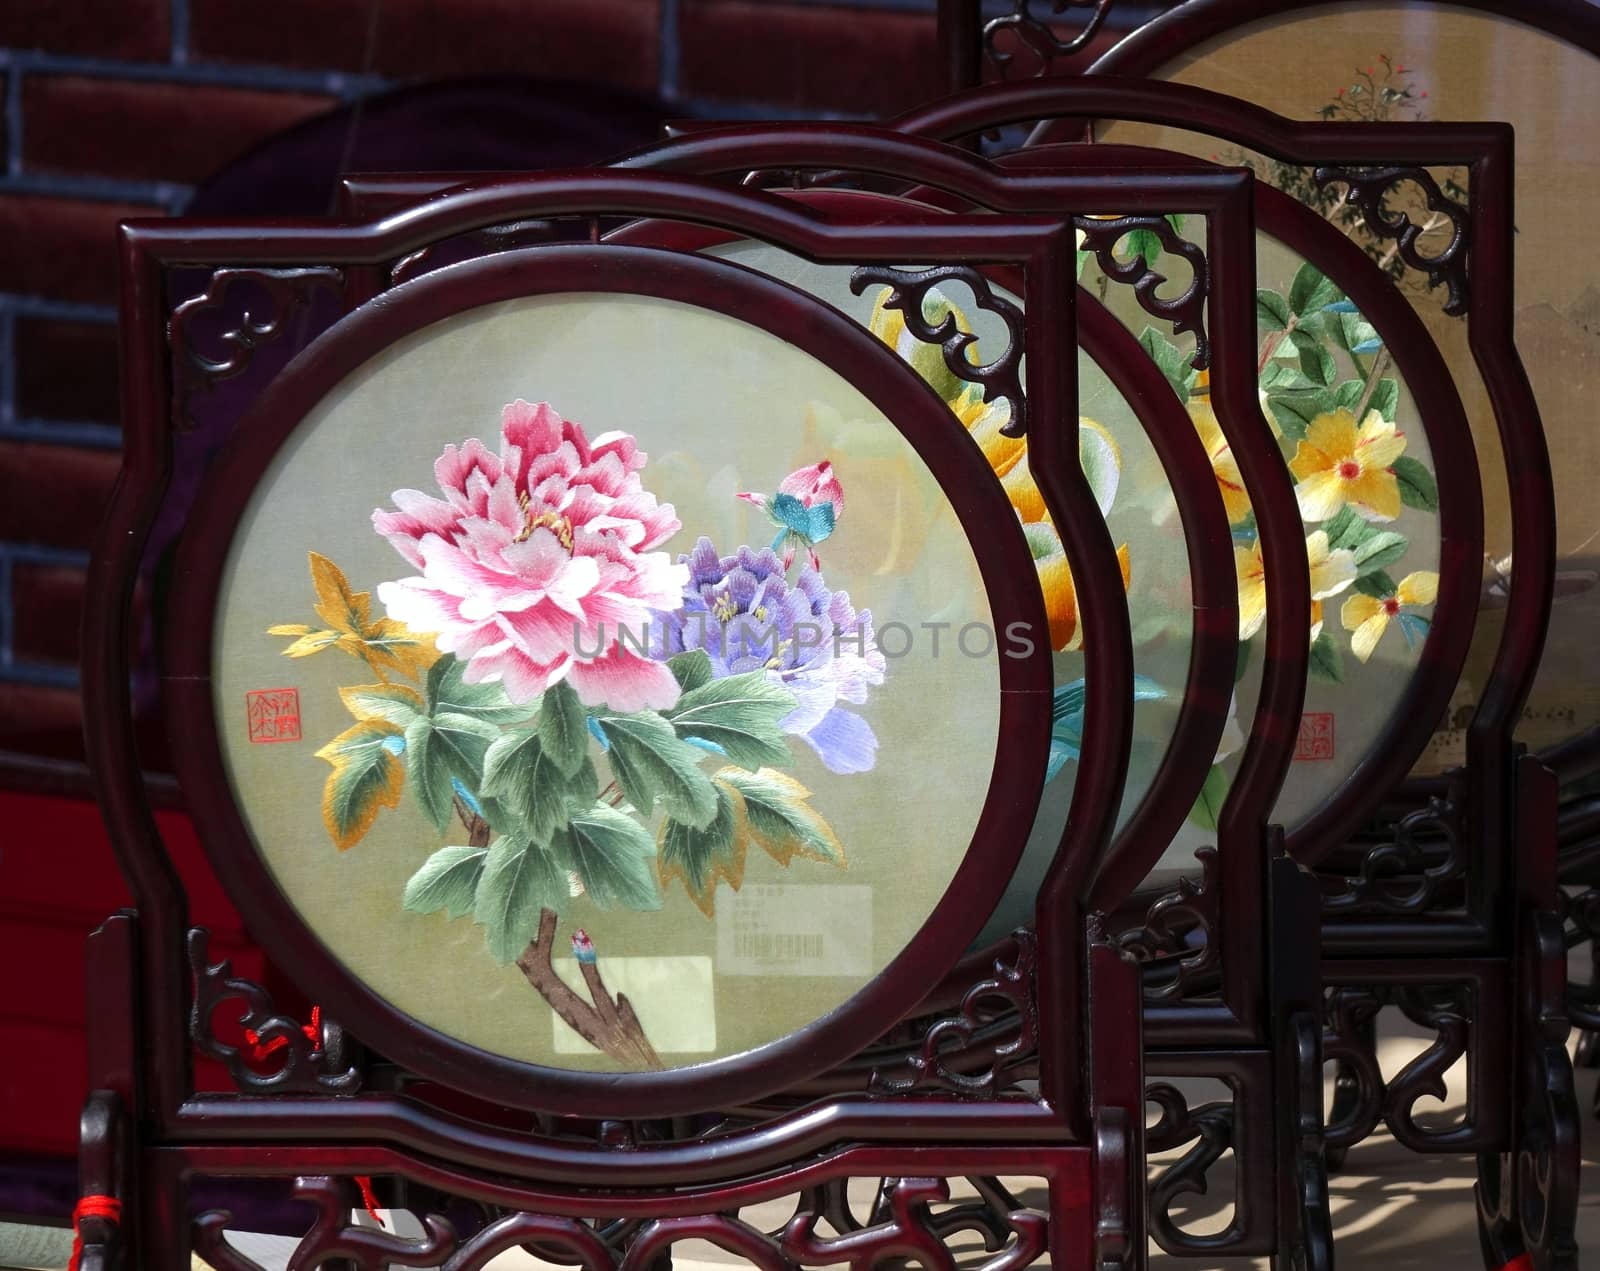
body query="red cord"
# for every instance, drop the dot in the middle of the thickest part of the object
(1522, 1262)
(108, 1208)
(369, 1198)
(260, 1053)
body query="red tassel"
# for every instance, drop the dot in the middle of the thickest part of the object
(107, 1208)
(1522, 1262)
(369, 1198)
(260, 1053)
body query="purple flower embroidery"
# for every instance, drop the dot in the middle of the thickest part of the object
(746, 616)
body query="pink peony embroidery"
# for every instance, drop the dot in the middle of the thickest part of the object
(536, 557)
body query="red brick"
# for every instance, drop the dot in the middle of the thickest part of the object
(62, 248)
(606, 41)
(99, 28)
(66, 370)
(53, 494)
(46, 610)
(808, 56)
(144, 131)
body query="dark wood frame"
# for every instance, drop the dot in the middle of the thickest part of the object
(1521, 1091)
(145, 1109)
(728, 289)
(802, 146)
(1282, 1205)
(1153, 45)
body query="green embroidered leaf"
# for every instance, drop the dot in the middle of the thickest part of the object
(611, 853)
(428, 767)
(1311, 291)
(563, 728)
(448, 693)
(1281, 376)
(1351, 332)
(1385, 398)
(780, 820)
(1316, 363)
(1208, 806)
(366, 776)
(395, 704)
(519, 879)
(519, 772)
(1377, 584)
(1380, 551)
(702, 858)
(1348, 394)
(448, 880)
(1295, 411)
(650, 761)
(1139, 242)
(500, 817)
(1327, 663)
(1347, 528)
(691, 669)
(1311, 324)
(739, 713)
(1418, 489)
(1272, 311)
(1170, 360)
(463, 741)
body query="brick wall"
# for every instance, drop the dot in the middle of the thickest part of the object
(118, 108)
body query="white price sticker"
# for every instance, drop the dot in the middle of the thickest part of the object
(794, 929)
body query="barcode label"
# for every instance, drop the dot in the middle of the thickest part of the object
(785, 946)
(788, 929)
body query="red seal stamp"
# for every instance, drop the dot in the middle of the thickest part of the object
(1316, 736)
(274, 714)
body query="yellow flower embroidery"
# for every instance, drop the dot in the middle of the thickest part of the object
(1055, 578)
(1337, 463)
(1008, 457)
(1229, 482)
(1332, 570)
(1369, 616)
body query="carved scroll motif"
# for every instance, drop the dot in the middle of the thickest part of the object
(1178, 938)
(1367, 190)
(1362, 1096)
(285, 292)
(1035, 33)
(295, 1060)
(1186, 311)
(1209, 1128)
(909, 293)
(1007, 1001)
(905, 1228)
(1406, 875)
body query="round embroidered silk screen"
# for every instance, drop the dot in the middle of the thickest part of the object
(1131, 488)
(607, 683)
(1390, 61)
(1351, 436)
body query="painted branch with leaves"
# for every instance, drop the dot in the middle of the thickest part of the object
(522, 782)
